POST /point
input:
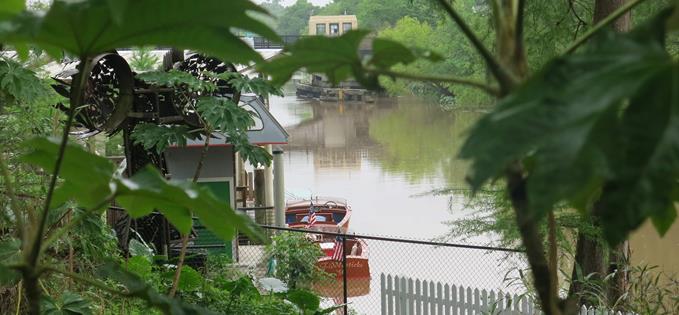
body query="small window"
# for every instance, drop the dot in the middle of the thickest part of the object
(334, 29)
(320, 29)
(346, 26)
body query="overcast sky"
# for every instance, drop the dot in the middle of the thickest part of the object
(290, 2)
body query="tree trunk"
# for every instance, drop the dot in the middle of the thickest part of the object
(619, 257)
(589, 258)
(589, 254)
(602, 8)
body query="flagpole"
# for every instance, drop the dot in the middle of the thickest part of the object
(344, 272)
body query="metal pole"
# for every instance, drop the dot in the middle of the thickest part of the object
(344, 272)
(279, 188)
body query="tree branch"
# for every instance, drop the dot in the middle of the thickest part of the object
(518, 38)
(185, 237)
(552, 253)
(30, 274)
(532, 240)
(492, 90)
(504, 78)
(603, 23)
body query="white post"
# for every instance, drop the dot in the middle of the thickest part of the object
(279, 188)
(268, 187)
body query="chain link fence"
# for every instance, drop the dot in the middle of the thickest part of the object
(382, 275)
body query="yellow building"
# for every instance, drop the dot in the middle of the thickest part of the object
(332, 25)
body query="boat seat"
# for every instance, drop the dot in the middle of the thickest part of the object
(357, 249)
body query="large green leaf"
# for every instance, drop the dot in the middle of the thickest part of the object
(139, 249)
(565, 124)
(303, 299)
(646, 177)
(68, 303)
(19, 85)
(336, 57)
(89, 188)
(189, 280)
(140, 195)
(86, 28)
(387, 53)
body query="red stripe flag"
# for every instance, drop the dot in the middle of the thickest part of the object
(338, 250)
(312, 218)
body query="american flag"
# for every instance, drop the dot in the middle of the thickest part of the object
(312, 218)
(338, 250)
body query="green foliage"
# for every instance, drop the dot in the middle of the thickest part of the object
(11, 7)
(232, 120)
(139, 249)
(217, 113)
(459, 60)
(190, 280)
(573, 122)
(293, 20)
(338, 58)
(648, 291)
(84, 29)
(68, 303)
(241, 82)
(143, 60)
(378, 14)
(160, 137)
(305, 300)
(223, 114)
(10, 252)
(176, 78)
(308, 303)
(140, 195)
(136, 287)
(295, 257)
(335, 57)
(105, 25)
(19, 85)
(92, 239)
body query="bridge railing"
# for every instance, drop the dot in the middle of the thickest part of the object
(263, 43)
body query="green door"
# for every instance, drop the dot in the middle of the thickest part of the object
(211, 242)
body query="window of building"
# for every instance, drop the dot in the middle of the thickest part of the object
(334, 28)
(320, 29)
(346, 26)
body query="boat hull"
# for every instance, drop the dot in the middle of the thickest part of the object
(357, 267)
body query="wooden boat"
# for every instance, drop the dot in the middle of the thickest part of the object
(357, 259)
(332, 214)
(333, 288)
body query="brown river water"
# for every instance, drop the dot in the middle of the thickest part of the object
(384, 158)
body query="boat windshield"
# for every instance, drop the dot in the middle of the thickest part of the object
(319, 218)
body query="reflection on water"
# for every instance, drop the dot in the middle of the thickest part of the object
(377, 156)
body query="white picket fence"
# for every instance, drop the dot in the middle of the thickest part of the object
(406, 296)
